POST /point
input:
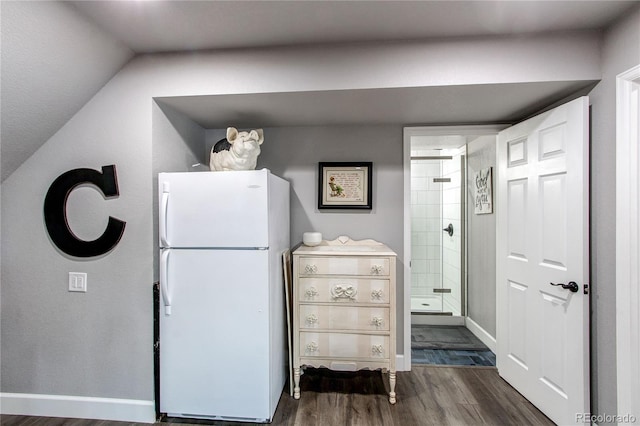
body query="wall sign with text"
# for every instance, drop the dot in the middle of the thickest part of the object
(483, 185)
(55, 212)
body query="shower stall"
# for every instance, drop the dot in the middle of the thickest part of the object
(438, 187)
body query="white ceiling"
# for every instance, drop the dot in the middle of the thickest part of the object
(80, 45)
(155, 26)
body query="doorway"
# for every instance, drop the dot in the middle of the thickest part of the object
(627, 236)
(437, 202)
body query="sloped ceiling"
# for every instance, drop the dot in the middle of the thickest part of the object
(53, 61)
(57, 55)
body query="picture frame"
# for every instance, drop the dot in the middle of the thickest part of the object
(345, 185)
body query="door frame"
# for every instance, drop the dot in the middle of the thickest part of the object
(627, 234)
(404, 364)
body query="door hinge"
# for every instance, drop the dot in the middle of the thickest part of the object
(586, 289)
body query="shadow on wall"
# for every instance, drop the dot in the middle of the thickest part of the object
(302, 218)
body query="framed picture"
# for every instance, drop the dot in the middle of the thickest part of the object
(345, 185)
(483, 184)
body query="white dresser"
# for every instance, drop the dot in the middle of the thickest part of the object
(344, 311)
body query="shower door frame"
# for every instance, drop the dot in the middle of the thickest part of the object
(440, 291)
(438, 294)
(408, 133)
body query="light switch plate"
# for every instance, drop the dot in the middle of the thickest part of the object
(78, 281)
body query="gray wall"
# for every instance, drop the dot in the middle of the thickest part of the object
(177, 146)
(98, 343)
(481, 241)
(294, 152)
(108, 353)
(621, 51)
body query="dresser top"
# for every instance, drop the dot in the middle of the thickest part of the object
(345, 246)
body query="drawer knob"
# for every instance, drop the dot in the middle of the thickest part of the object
(377, 350)
(310, 269)
(312, 347)
(341, 292)
(377, 321)
(312, 319)
(376, 294)
(377, 269)
(311, 292)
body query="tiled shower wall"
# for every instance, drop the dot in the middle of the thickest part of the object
(426, 198)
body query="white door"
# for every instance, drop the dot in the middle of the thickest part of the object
(542, 238)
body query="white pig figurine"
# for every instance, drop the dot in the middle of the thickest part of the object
(239, 151)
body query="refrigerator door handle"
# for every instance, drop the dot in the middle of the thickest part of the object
(164, 282)
(164, 206)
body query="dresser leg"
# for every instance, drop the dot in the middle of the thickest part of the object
(296, 383)
(392, 387)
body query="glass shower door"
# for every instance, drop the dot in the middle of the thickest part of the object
(437, 222)
(453, 223)
(426, 238)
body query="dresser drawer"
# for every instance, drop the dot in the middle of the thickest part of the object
(343, 290)
(315, 317)
(338, 345)
(367, 266)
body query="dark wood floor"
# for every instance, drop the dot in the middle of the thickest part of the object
(427, 395)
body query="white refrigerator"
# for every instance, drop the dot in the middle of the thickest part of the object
(222, 312)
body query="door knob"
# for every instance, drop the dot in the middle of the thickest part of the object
(572, 286)
(449, 230)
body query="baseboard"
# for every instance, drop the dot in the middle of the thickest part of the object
(481, 334)
(449, 306)
(436, 320)
(400, 364)
(78, 407)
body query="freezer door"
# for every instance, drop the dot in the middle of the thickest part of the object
(213, 209)
(214, 342)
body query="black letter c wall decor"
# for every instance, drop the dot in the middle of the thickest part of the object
(55, 212)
